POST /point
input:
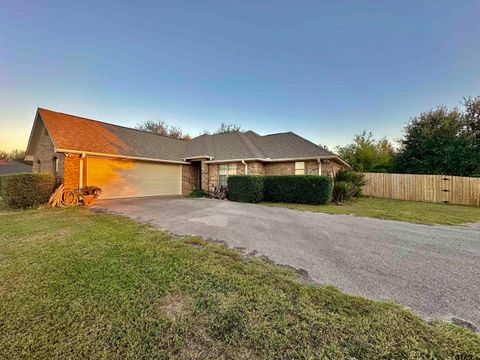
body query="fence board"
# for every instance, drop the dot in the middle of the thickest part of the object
(426, 188)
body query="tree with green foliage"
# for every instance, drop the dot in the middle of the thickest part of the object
(472, 118)
(367, 154)
(438, 142)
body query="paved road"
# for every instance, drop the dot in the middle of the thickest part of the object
(435, 270)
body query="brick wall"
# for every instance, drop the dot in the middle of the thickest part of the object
(44, 157)
(280, 168)
(189, 178)
(288, 168)
(255, 168)
(71, 171)
(210, 172)
(329, 168)
(213, 176)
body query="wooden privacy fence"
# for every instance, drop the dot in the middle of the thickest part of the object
(427, 188)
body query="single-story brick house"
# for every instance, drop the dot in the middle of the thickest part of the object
(127, 162)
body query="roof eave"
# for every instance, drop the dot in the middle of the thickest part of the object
(269, 160)
(115, 156)
(198, 157)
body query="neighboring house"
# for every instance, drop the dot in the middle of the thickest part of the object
(126, 162)
(14, 167)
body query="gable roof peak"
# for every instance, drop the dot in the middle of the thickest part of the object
(40, 110)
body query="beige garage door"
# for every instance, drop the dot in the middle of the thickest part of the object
(126, 178)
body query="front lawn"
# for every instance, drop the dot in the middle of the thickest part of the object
(411, 211)
(79, 284)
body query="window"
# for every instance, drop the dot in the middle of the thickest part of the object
(300, 168)
(225, 170)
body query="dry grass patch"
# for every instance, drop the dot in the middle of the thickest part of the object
(176, 305)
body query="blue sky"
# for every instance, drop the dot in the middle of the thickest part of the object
(324, 69)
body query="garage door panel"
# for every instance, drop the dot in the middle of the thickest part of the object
(126, 178)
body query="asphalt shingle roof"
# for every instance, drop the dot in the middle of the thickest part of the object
(71, 132)
(13, 167)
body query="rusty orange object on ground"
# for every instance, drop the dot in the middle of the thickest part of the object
(89, 200)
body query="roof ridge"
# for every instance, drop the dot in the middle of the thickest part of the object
(254, 148)
(279, 133)
(107, 123)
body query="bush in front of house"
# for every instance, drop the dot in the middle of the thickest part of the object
(357, 180)
(197, 193)
(342, 191)
(26, 190)
(300, 189)
(245, 188)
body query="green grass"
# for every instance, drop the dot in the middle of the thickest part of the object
(411, 211)
(78, 284)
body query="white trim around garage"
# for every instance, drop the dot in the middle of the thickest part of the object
(121, 156)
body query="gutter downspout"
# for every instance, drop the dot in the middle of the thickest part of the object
(246, 167)
(319, 166)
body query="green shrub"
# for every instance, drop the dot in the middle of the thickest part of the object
(25, 190)
(245, 188)
(356, 179)
(300, 189)
(197, 193)
(342, 191)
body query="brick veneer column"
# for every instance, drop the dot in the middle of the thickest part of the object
(204, 171)
(71, 171)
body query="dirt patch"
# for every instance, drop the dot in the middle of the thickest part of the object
(176, 305)
(195, 242)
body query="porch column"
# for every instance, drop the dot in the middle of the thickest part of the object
(204, 175)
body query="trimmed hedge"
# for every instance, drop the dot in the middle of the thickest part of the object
(300, 189)
(26, 190)
(245, 188)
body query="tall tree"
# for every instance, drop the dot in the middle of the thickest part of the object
(471, 117)
(368, 154)
(435, 142)
(162, 128)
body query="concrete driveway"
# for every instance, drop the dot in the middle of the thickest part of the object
(435, 270)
